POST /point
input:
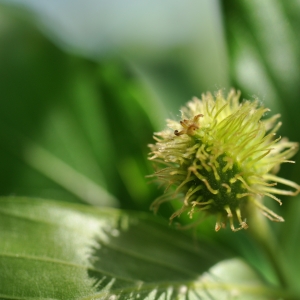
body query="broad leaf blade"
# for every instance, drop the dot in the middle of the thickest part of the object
(52, 250)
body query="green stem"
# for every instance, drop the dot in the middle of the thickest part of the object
(264, 236)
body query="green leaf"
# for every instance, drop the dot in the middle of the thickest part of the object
(55, 250)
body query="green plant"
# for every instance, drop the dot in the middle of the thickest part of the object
(74, 128)
(222, 158)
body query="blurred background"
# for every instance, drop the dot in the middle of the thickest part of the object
(84, 84)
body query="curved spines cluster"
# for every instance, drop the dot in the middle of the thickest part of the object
(222, 155)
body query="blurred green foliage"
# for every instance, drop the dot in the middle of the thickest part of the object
(75, 127)
(91, 116)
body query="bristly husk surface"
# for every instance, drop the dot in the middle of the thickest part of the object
(222, 155)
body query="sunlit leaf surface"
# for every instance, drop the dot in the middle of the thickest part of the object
(52, 250)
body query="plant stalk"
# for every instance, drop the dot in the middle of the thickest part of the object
(264, 236)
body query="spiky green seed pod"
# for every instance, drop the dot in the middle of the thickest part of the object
(221, 156)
